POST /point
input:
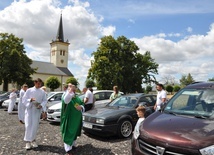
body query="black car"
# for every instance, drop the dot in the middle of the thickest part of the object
(118, 117)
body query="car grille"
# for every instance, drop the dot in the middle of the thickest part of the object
(50, 111)
(153, 150)
(90, 119)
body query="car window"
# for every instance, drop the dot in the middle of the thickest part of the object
(57, 97)
(108, 94)
(99, 96)
(124, 101)
(148, 99)
(192, 102)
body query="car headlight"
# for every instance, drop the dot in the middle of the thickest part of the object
(208, 150)
(83, 118)
(100, 121)
(58, 110)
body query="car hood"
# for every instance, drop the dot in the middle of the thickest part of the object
(106, 112)
(178, 130)
(56, 106)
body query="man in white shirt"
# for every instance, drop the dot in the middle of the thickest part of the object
(161, 97)
(88, 99)
(34, 100)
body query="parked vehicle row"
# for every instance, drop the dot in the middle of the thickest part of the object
(101, 96)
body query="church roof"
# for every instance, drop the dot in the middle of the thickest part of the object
(60, 35)
(50, 68)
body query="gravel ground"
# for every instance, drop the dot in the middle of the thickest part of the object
(50, 141)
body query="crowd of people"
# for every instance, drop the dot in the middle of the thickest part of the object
(32, 106)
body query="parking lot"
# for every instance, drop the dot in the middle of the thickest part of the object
(50, 142)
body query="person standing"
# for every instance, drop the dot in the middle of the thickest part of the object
(34, 100)
(71, 118)
(12, 102)
(115, 94)
(88, 99)
(161, 97)
(141, 110)
(21, 107)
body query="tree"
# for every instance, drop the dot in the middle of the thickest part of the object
(73, 81)
(116, 62)
(148, 88)
(89, 83)
(176, 88)
(168, 80)
(169, 88)
(14, 63)
(186, 80)
(53, 83)
(212, 79)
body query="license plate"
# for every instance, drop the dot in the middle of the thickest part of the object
(87, 125)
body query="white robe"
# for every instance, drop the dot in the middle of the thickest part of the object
(12, 102)
(21, 106)
(32, 114)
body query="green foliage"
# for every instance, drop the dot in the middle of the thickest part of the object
(212, 79)
(148, 88)
(14, 63)
(169, 88)
(176, 88)
(116, 62)
(186, 80)
(89, 83)
(73, 81)
(53, 83)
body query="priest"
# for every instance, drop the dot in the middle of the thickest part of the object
(71, 118)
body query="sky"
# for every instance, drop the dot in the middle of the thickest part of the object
(178, 33)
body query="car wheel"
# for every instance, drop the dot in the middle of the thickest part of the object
(125, 129)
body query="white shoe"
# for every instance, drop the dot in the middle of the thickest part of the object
(34, 145)
(28, 146)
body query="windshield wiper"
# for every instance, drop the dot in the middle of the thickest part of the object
(170, 112)
(201, 116)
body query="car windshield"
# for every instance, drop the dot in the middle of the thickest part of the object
(50, 94)
(124, 101)
(195, 102)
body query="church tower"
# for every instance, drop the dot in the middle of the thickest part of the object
(59, 48)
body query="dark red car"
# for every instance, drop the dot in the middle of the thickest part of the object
(185, 126)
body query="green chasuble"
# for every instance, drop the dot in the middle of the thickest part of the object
(71, 120)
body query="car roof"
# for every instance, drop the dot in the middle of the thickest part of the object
(134, 95)
(201, 85)
(95, 91)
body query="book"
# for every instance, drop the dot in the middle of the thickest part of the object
(36, 103)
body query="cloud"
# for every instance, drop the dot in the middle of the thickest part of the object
(193, 54)
(189, 29)
(37, 21)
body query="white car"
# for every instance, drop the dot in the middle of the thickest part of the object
(102, 98)
(53, 98)
(5, 104)
(54, 112)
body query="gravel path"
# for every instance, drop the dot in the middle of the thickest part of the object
(50, 142)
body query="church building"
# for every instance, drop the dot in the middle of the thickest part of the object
(58, 65)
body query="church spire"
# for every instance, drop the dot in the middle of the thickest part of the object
(60, 36)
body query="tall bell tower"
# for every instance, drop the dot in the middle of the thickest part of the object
(59, 48)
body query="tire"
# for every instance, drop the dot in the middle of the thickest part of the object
(125, 128)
